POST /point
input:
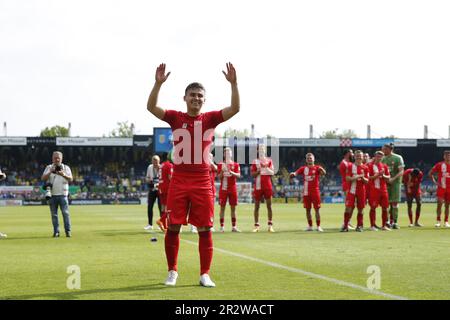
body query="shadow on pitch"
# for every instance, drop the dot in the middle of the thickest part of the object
(80, 294)
(115, 233)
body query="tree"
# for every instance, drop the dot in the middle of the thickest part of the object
(330, 134)
(230, 132)
(335, 134)
(123, 130)
(55, 131)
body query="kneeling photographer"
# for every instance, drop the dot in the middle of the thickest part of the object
(57, 177)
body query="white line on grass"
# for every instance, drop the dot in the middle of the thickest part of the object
(307, 273)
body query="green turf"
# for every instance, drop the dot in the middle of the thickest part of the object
(118, 261)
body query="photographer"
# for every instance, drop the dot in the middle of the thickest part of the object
(58, 175)
(2, 177)
(152, 178)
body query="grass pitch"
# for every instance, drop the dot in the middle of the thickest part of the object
(118, 261)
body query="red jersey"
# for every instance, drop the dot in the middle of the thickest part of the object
(379, 183)
(166, 174)
(264, 179)
(310, 176)
(443, 171)
(212, 175)
(343, 166)
(192, 137)
(228, 181)
(412, 184)
(357, 186)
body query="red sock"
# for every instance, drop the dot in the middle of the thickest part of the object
(346, 219)
(360, 219)
(222, 222)
(172, 244)
(205, 248)
(233, 222)
(446, 216)
(410, 215)
(310, 222)
(318, 222)
(372, 216)
(384, 217)
(269, 222)
(438, 217)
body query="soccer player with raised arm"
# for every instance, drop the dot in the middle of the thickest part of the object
(396, 167)
(412, 179)
(229, 171)
(190, 191)
(443, 187)
(262, 171)
(311, 192)
(378, 177)
(357, 178)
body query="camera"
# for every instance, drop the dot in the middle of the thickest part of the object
(48, 190)
(154, 184)
(58, 168)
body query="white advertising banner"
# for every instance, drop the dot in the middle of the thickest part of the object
(13, 141)
(93, 141)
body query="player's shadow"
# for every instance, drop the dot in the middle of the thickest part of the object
(78, 294)
(117, 233)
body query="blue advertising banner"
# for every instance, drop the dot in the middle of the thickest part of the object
(370, 142)
(162, 139)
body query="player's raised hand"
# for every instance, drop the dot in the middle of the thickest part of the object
(230, 75)
(160, 75)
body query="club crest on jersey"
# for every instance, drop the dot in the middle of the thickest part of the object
(184, 126)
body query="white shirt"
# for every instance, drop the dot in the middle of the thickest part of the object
(60, 186)
(152, 174)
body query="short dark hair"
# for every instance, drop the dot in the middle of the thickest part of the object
(415, 172)
(347, 151)
(389, 145)
(194, 85)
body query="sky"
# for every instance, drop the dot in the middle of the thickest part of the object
(333, 64)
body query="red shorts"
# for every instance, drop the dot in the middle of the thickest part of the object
(378, 198)
(359, 198)
(190, 200)
(443, 194)
(313, 199)
(231, 195)
(345, 186)
(258, 194)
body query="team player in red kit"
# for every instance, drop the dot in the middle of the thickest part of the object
(378, 177)
(443, 191)
(412, 178)
(262, 171)
(190, 190)
(163, 188)
(343, 166)
(357, 178)
(228, 172)
(311, 192)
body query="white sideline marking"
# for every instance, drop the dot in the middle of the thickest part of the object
(307, 273)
